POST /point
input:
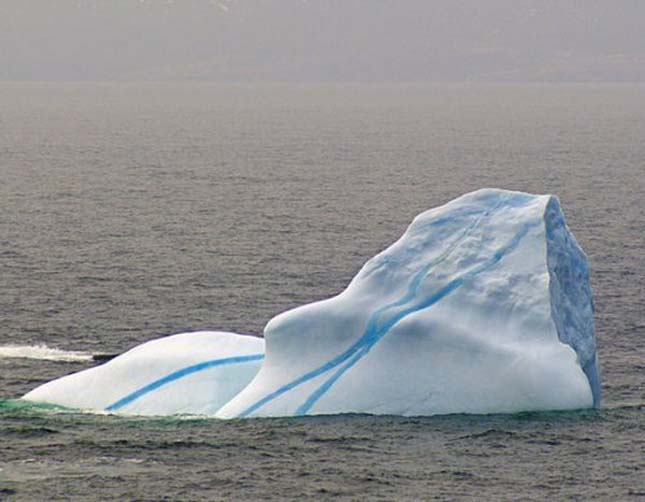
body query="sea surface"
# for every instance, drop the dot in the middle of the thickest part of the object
(133, 211)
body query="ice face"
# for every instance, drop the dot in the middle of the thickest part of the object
(483, 305)
(188, 373)
(571, 301)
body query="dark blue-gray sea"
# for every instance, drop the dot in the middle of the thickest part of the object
(133, 211)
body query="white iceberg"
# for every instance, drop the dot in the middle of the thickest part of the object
(189, 373)
(482, 306)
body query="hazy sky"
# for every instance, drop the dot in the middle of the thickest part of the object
(323, 40)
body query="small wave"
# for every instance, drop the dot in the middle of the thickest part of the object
(42, 352)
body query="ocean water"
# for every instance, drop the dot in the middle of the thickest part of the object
(132, 211)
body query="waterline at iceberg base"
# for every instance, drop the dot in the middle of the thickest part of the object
(482, 306)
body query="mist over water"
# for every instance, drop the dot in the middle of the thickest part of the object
(132, 211)
(329, 41)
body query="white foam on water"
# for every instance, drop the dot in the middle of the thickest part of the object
(42, 352)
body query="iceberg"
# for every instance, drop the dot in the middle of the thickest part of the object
(482, 306)
(189, 373)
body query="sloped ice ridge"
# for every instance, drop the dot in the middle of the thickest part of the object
(189, 373)
(482, 306)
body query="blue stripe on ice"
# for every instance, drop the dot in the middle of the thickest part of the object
(176, 375)
(374, 332)
(320, 391)
(414, 284)
(373, 337)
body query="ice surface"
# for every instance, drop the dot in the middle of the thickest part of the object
(191, 373)
(482, 306)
